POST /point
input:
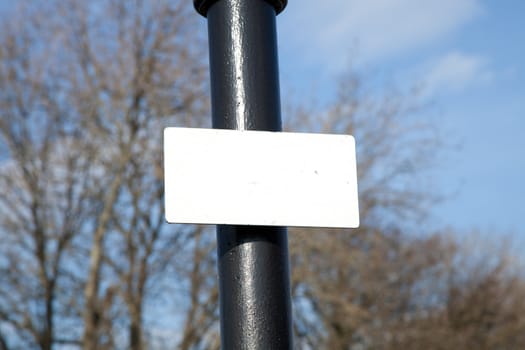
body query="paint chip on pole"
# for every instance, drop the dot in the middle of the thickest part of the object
(260, 178)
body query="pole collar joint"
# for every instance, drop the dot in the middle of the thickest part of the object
(202, 6)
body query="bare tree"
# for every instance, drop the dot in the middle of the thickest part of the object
(43, 205)
(88, 90)
(345, 281)
(141, 70)
(480, 305)
(387, 285)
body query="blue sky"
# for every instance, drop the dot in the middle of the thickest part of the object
(470, 57)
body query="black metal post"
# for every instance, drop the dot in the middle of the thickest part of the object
(254, 276)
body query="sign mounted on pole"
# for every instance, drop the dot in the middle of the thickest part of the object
(261, 178)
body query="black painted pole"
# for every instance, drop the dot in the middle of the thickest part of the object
(254, 276)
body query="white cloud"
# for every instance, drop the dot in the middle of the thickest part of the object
(454, 72)
(324, 32)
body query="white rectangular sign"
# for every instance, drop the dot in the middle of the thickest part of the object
(260, 178)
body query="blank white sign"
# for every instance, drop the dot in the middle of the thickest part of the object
(260, 178)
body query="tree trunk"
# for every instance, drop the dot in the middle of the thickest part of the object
(92, 311)
(135, 328)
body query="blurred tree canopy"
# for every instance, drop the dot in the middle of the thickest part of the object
(87, 262)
